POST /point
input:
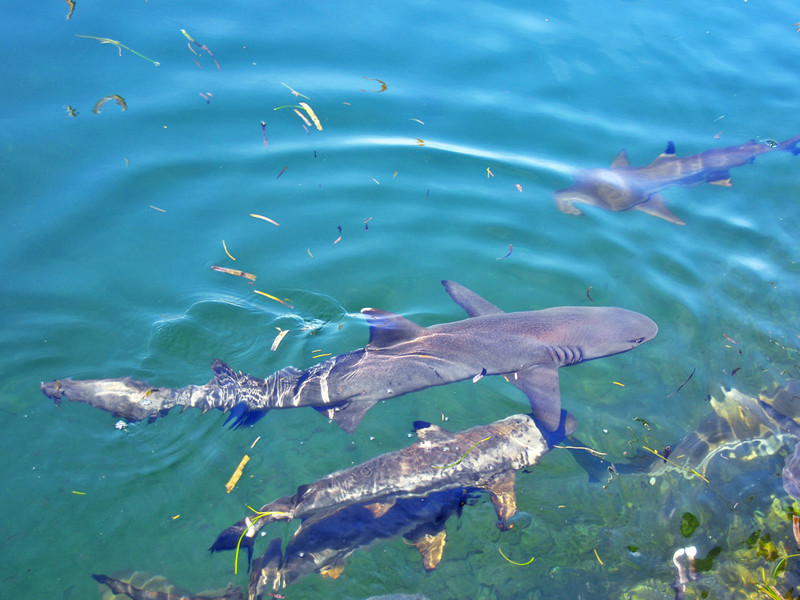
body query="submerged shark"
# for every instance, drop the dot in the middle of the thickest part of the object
(623, 187)
(323, 544)
(527, 348)
(485, 457)
(141, 586)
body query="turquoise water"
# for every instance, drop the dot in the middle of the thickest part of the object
(112, 221)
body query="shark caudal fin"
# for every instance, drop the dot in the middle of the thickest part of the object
(472, 303)
(266, 576)
(233, 537)
(791, 145)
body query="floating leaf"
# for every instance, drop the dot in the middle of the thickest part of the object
(267, 219)
(119, 100)
(236, 474)
(119, 46)
(311, 114)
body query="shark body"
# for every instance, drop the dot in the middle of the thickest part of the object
(527, 348)
(623, 187)
(485, 457)
(323, 544)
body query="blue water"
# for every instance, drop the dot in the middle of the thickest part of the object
(112, 221)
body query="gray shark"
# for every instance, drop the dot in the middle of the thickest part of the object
(527, 348)
(323, 544)
(486, 457)
(623, 187)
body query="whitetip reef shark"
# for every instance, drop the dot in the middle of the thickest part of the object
(485, 457)
(527, 348)
(623, 187)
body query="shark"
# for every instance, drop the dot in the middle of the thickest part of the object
(323, 544)
(623, 187)
(141, 586)
(485, 457)
(527, 348)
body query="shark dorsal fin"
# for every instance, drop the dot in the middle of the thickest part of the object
(620, 161)
(428, 432)
(667, 154)
(387, 329)
(469, 300)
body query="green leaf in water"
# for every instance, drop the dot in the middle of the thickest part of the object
(688, 524)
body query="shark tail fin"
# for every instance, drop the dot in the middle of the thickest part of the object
(266, 573)
(233, 537)
(791, 145)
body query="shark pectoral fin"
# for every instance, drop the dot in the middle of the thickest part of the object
(620, 161)
(655, 206)
(378, 509)
(428, 432)
(540, 384)
(387, 329)
(431, 547)
(333, 570)
(724, 181)
(469, 300)
(504, 499)
(349, 415)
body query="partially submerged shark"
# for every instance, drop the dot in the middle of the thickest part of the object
(485, 457)
(141, 586)
(527, 348)
(623, 187)
(323, 544)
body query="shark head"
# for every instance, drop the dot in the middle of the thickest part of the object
(609, 330)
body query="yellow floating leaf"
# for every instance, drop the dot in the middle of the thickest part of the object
(618, 383)
(253, 445)
(225, 247)
(175, 517)
(79, 493)
(236, 474)
(158, 209)
(514, 562)
(311, 114)
(271, 297)
(598, 557)
(489, 172)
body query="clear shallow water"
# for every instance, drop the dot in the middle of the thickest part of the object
(100, 284)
